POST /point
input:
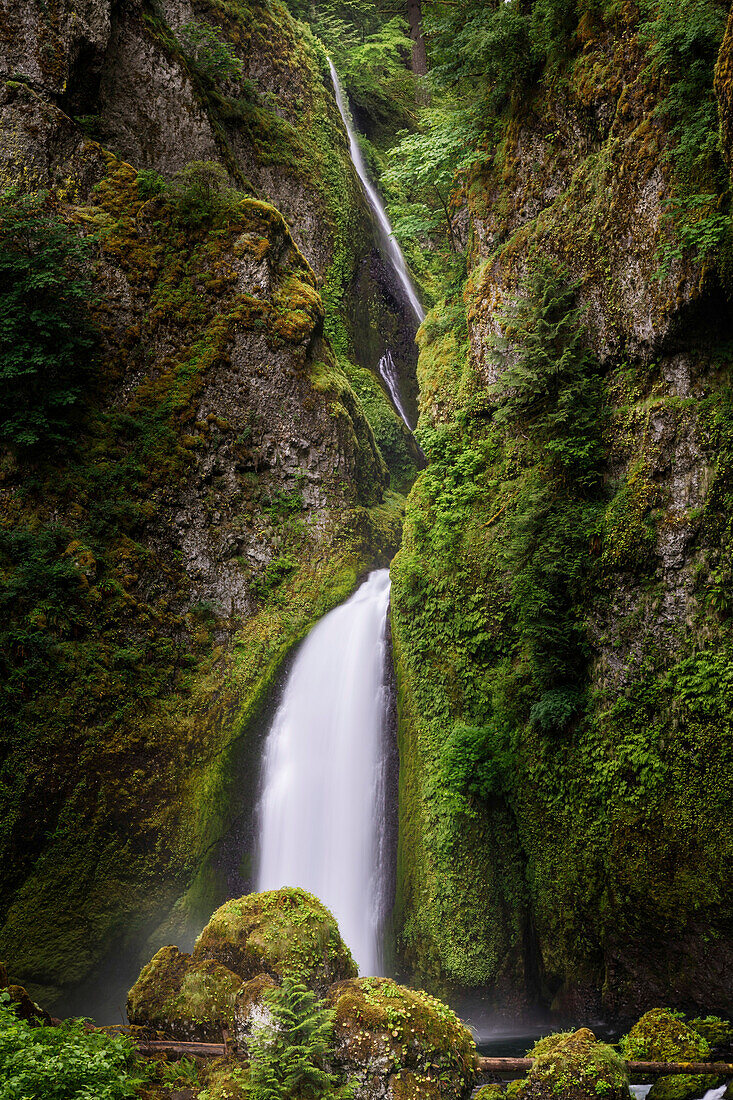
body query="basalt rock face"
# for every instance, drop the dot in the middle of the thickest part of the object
(573, 855)
(226, 487)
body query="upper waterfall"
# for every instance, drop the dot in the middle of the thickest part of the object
(323, 803)
(394, 251)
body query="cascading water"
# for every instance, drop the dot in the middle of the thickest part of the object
(394, 252)
(388, 371)
(322, 810)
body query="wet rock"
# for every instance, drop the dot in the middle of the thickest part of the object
(274, 933)
(393, 1043)
(26, 1009)
(661, 1036)
(576, 1067)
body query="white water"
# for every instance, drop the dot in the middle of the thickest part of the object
(640, 1092)
(388, 371)
(395, 252)
(323, 804)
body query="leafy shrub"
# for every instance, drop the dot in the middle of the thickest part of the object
(213, 57)
(46, 337)
(475, 763)
(62, 1063)
(202, 192)
(150, 183)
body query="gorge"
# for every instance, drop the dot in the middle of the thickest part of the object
(247, 249)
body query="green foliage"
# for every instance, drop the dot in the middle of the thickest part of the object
(63, 1063)
(372, 68)
(202, 193)
(476, 764)
(212, 55)
(287, 1057)
(46, 338)
(550, 393)
(494, 51)
(549, 380)
(184, 1072)
(40, 607)
(683, 40)
(150, 183)
(275, 573)
(424, 166)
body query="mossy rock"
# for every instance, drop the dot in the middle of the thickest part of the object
(717, 1032)
(184, 998)
(662, 1036)
(276, 933)
(227, 1081)
(575, 1066)
(394, 1043)
(489, 1092)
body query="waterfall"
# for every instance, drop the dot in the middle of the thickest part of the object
(323, 802)
(388, 371)
(393, 249)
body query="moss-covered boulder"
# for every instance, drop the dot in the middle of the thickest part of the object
(574, 1066)
(184, 998)
(489, 1092)
(717, 1032)
(662, 1036)
(274, 933)
(393, 1043)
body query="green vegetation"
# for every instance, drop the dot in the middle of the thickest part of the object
(211, 53)
(575, 1066)
(46, 336)
(63, 1063)
(662, 1035)
(287, 1056)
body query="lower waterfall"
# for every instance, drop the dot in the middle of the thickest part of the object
(323, 803)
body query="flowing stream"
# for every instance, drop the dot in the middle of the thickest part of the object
(394, 252)
(323, 804)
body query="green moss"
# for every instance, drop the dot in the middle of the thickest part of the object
(716, 1031)
(426, 1050)
(663, 1036)
(184, 998)
(576, 1067)
(279, 932)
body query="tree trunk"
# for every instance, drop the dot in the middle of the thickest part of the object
(419, 53)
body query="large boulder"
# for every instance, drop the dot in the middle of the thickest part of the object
(662, 1036)
(393, 1043)
(184, 998)
(274, 933)
(574, 1066)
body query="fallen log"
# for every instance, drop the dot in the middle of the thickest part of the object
(711, 1069)
(216, 1050)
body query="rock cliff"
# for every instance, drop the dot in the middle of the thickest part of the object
(228, 483)
(559, 610)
